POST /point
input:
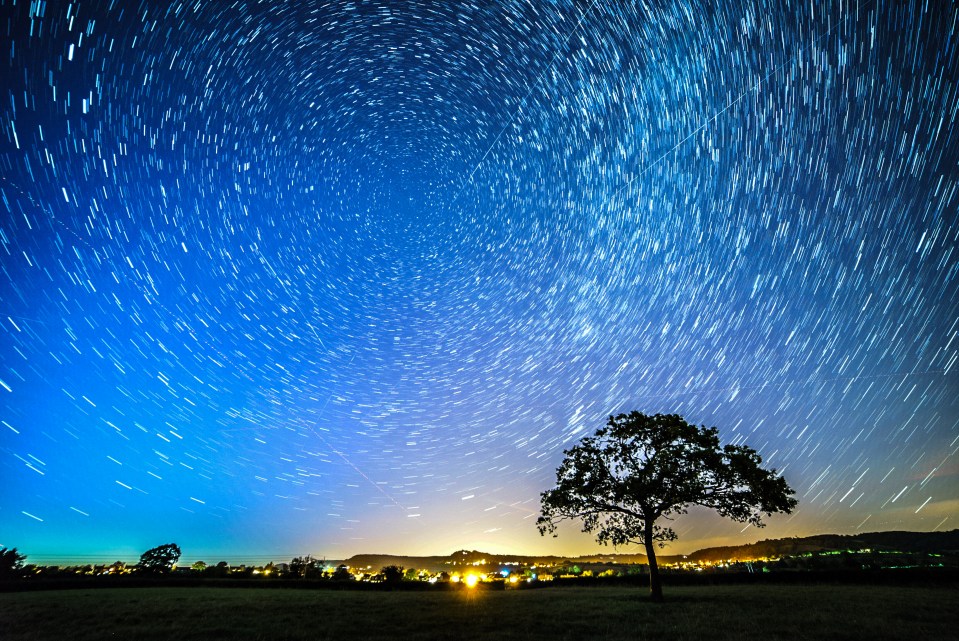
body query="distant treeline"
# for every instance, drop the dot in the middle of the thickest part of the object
(911, 576)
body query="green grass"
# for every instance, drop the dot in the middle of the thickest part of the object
(703, 612)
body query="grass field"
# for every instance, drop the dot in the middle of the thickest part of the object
(702, 612)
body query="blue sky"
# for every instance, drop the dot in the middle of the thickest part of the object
(334, 278)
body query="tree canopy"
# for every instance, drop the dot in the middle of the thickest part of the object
(11, 562)
(306, 567)
(639, 469)
(342, 573)
(392, 573)
(159, 560)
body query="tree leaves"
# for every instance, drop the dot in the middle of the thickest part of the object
(639, 468)
(159, 560)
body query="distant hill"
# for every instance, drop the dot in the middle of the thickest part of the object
(899, 541)
(936, 542)
(461, 559)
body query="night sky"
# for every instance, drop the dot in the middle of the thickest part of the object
(283, 278)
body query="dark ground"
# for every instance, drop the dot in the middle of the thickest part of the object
(718, 612)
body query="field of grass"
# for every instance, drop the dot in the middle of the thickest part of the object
(768, 612)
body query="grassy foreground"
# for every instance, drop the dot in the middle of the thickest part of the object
(715, 612)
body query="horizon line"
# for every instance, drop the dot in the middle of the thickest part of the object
(107, 558)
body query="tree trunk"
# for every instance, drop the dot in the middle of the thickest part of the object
(655, 587)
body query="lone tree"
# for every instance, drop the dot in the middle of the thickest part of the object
(638, 469)
(159, 560)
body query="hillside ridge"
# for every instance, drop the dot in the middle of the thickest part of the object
(902, 541)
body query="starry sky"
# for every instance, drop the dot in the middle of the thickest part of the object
(335, 277)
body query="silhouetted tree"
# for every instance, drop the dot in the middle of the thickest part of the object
(11, 562)
(314, 568)
(638, 469)
(305, 567)
(297, 566)
(342, 573)
(159, 560)
(392, 574)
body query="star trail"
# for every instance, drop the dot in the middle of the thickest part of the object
(335, 277)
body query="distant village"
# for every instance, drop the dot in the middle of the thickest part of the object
(465, 568)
